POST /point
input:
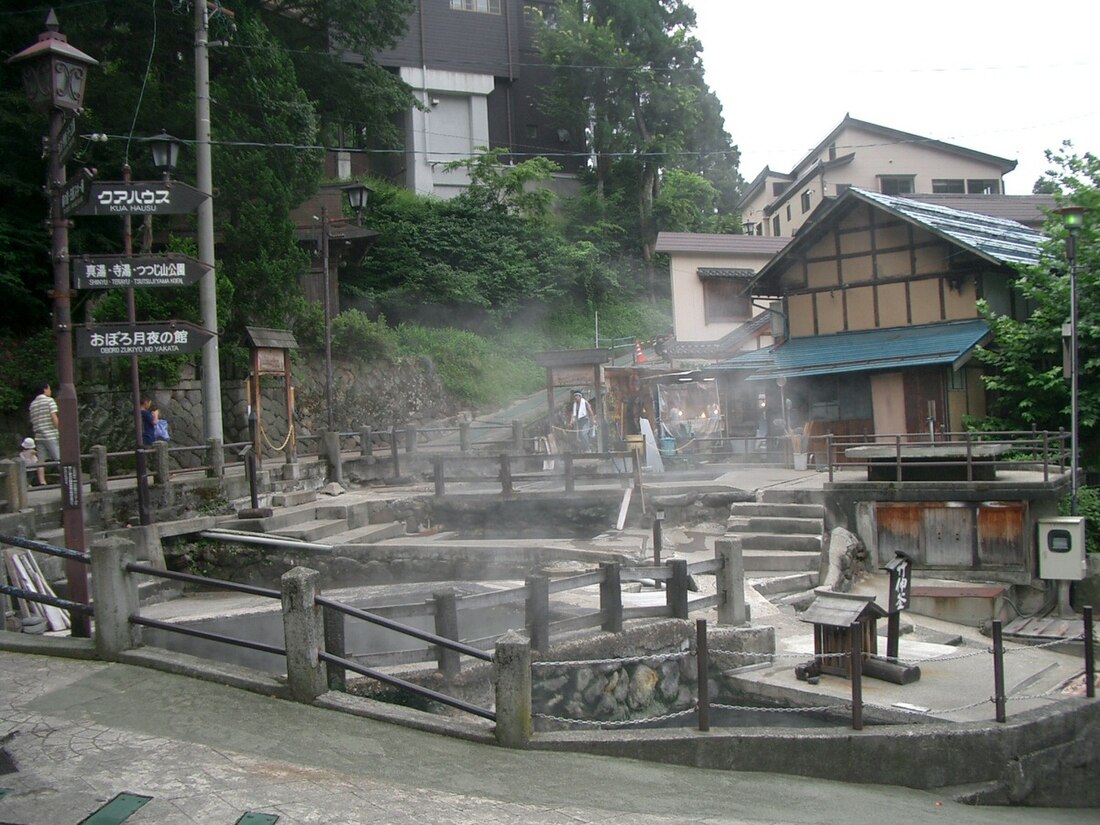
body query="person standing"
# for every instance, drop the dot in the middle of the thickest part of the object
(45, 423)
(149, 417)
(29, 456)
(580, 418)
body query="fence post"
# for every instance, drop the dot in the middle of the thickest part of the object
(365, 446)
(446, 625)
(160, 457)
(335, 646)
(676, 594)
(1090, 661)
(636, 457)
(730, 581)
(99, 468)
(829, 453)
(611, 597)
(330, 448)
(215, 458)
(15, 484)
(464, 436)
(856, 671)
(395, 454)
(410, 437)
(517, 436)
(505, 475)
(537, 610)
(304, 632)
(570, 478)
(512, 675)
(658, 535)
(437, 471)
(702, 673)
(114, 596)
(998, 671)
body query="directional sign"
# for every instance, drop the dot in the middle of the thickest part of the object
(110, 271)
(75, 191)
(66, 141)
(142, 198)
(142, 338)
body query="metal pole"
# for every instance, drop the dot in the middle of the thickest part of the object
(326, 302)
(1090, 661)
(72, 508)
(856, 670)
(140, 460)
(208, 296)
(998, 671)
(702, 668)
(1071, 251)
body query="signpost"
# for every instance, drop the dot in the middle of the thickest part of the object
(901, 582)
(66, 141)
(111, 271)
(75, 191)
(142, 198)
(140, 338)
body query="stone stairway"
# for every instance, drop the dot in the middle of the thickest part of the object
(317, 522)
(782, 544)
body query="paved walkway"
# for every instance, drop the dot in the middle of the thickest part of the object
(75, 733)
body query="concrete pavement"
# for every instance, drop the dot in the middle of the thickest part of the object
(75, 733)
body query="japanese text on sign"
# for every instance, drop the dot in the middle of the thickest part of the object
(133, 200)
(122, 342)
(168, 272)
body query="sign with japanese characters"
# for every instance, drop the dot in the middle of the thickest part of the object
(66, 140)
(142, 338)
(142, 198)
(110, 271)
(75, 191)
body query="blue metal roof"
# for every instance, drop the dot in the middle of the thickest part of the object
(948, 343)
(998, 239)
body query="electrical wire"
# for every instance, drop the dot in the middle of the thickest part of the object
(144, 82)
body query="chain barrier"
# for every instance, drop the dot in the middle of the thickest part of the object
(799, 656)
(1080, 637)
(267, 441)
(819, 709)
(593, 723)
(939, 711)
(626, 660)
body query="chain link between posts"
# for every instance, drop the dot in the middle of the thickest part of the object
(267, 441)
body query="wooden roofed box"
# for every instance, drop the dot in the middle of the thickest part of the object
(832, 615)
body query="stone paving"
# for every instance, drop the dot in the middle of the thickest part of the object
(75, 733)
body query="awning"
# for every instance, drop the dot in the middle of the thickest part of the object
(950, 343)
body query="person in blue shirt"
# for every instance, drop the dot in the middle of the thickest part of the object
(148, 422)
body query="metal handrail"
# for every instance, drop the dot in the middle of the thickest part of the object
(42, 598)
(134, 567)
(48, 549)
(183, 630)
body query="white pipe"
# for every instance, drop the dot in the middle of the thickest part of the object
(271, 541)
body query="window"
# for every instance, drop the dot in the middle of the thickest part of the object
(723, 301)
(480, 6)
(948, 186)
(788, 213)
(832, 151)
(806, 201)
(778, 189)
(896, 184)
(841, 188)
(983, 187)
(775, 227)
(532, 131)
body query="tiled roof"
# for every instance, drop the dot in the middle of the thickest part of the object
(724, 272)
(722, 244)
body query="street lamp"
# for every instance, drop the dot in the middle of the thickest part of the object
(358, 194)
(1073, 218)
(166, 151)
(54, 78)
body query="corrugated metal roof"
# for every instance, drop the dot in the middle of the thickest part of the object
(997, 239)
(728, 244)
(730, 342)
(1029, 210)
(948, 343)
(724, 272)
(757, 359)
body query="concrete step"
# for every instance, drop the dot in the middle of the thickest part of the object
(316, 530)
(293, 497)
(751, 509)
(286, 517)
(771, 541)
(778, 585)
(369, 534)
(777, 524)
(767, 561)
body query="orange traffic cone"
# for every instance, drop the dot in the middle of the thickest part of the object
(639, 358)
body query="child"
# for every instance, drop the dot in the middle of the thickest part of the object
(29, 456)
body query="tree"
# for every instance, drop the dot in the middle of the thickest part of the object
(1024, 360)
(632, 70)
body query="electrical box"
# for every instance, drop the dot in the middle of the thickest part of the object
(1062, 548)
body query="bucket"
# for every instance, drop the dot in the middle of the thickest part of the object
(667, 446)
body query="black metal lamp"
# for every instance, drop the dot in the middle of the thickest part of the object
(358, 195)
(54, 72)
(166, 152)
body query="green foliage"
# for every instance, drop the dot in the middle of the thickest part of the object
(356, 335)
(1088, 505)
(1024, 361)
(24, 364)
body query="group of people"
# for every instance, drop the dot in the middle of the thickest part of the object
(45, 445)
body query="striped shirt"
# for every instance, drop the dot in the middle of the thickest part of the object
(43, 409)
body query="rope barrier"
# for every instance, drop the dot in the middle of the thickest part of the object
(818, 709)
(267, 441)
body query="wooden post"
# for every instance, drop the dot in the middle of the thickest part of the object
(395, 455)
(570, 478)
(856, 670)
(446, 625)
(410, 438)
(538, 612)
(611, 598)
(702, 671)
(334, 646)
(437, 469)
(676, 594)
(464, 436)
(506, 475)
(517, 436)
(365, 446)
(658, 536)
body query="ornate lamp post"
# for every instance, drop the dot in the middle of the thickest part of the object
(54, 76)
(358, 194)
(1073, 218)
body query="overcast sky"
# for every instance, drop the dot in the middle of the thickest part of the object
(1011, 79)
